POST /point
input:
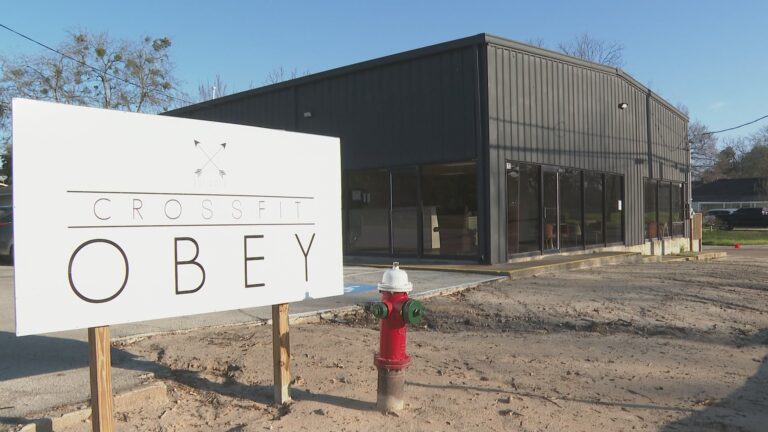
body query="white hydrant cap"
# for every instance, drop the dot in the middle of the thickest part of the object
(395, 280)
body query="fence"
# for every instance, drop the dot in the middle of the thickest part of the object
(704, 206)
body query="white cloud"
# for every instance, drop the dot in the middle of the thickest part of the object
(716, 106)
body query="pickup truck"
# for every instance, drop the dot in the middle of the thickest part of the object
(754, 217)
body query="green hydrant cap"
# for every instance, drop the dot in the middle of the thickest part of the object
(379, 310)
(413, 312)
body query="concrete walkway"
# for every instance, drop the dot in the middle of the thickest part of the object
(40, 372)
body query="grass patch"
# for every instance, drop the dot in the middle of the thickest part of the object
(728, 238)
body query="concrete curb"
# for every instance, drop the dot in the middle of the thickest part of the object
(157, 391)
(327, 314)
(703, 256)
(454, 289)
(586, 262)
(135, 338)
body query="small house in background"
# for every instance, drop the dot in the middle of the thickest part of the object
(487, 150)
(731, 194)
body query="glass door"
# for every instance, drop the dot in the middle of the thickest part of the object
(551, 214)
(523, 208)
(405, 211)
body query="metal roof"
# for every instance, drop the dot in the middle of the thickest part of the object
(479, 39)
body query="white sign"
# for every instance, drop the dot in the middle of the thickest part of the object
(122, 217)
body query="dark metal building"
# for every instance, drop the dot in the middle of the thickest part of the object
(731, 193)
(486, 149)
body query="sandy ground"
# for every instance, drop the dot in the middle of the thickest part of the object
(672, 347)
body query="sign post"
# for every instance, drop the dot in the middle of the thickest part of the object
(155, 217)
(281, 353)
(101, 379)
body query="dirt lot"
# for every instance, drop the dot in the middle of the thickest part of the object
(672, 347)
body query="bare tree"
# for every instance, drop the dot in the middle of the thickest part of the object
(589, 48)
(537, 42)
(754, 163)
(211, 90)
(92, 70)
(279, 74)
(760, 137)
(704, 153)
(96, 70)
(703, 146)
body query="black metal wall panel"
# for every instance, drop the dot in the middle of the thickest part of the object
(274, 110)
(669, 142)
(420, 110)
(549, 111)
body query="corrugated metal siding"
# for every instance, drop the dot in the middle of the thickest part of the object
(669, 143)
(274, 110)
(547, 111)
(420, 110)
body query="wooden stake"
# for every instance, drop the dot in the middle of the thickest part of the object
(281, 353)
(101, 379)
(697, 229)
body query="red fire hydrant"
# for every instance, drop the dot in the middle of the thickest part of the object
(395, 311)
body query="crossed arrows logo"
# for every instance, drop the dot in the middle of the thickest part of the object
(210, 159)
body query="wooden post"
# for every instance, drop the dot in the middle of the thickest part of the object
(697, 229)
(690, 234)
(101, 379)
(281, 353)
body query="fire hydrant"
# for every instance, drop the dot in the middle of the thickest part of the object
(394, 310)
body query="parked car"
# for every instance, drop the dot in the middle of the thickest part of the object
(6, 232)
(754, 217)
(711, 216)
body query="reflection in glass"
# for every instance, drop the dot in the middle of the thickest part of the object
(571, 231)
(593, 208)
(405, 202)
(678, 221)
(614, 206)
(523, 203)
(449, 219)
(368, 197)
(551, 215)
(665, 213)
(649, 200)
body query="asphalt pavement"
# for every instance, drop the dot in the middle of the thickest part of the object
(41, 372)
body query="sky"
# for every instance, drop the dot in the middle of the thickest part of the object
(707, 55)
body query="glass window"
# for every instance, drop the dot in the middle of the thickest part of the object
(405, 203)
(449, 219)
(665, 213)
(550, 208)
(678, 219)
(593, 208)
(649, 199)
(523, 208)
(368, 198)
(571, 230)
(614, 206)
